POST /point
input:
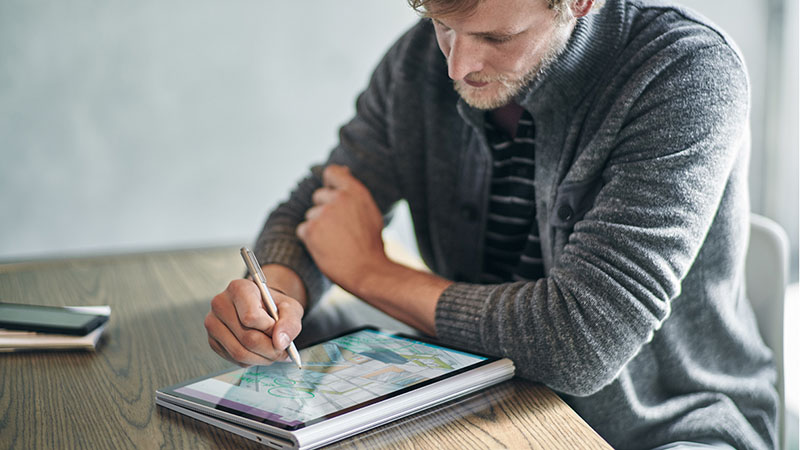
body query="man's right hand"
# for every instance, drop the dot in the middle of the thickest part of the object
(241, 330)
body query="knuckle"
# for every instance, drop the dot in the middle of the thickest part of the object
(217, 302)
(249, 318)
(294, 328)
(241, 288)
(292, 307)
(208, 323)
(232, 286)
(236, 287)
(239, 354)
(251, 339)
(308, 228)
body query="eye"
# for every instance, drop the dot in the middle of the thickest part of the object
(439, 24)
(497, 39)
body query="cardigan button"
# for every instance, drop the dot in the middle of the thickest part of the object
(564, 213)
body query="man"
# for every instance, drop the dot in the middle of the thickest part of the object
(577, 182)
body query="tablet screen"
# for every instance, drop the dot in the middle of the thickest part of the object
(337, 376)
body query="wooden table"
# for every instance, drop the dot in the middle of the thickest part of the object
(155, 338)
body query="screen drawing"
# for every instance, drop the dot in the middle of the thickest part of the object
(337, 374)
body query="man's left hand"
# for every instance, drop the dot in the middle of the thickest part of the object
(342, 231)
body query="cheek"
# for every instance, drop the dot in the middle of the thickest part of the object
(521, 60)
(525, 64)
(510, 63)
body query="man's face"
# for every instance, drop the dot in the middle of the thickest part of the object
(496, 50)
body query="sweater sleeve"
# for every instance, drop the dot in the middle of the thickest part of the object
(611, 288)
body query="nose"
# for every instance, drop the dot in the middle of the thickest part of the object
(463, 58)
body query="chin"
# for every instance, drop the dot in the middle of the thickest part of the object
(485, 98)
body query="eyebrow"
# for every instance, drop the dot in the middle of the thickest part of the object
(495, 34)
(502, 33)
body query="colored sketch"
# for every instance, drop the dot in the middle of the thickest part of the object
(337, 374)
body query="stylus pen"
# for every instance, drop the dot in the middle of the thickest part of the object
(261, 281)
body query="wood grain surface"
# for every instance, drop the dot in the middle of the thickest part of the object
(155, 338)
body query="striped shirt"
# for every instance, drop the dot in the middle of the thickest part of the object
(512, 249)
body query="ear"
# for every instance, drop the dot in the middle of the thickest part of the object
(581, 8)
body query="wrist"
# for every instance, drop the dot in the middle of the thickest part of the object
(287, 281)
(375, 278)
(407, 294)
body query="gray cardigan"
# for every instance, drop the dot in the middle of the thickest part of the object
(642, 145)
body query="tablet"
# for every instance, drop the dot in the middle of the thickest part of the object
(347, 384)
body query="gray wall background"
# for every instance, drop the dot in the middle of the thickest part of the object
(148, 124)
(129, 125)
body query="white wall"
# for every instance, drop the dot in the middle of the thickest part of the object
(149, 124)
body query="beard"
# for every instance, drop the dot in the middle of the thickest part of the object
(503, 88)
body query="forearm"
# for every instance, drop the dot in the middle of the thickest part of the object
(406, 294)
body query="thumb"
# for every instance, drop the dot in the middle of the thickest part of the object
(289, 324)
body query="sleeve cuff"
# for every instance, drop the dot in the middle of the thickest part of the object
(461, 315)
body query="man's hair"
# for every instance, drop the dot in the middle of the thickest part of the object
(443, 8)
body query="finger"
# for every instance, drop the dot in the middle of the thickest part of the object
(244, 357)
(323, 196)
(217, 347)
(249, 305)
(335, 176)
(229, 347)
(302, 231)
(314, 212)
(289, 324)
(230, 328)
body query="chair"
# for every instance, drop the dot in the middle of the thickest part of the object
(766, 270)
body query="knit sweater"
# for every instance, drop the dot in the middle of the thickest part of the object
(641, 323)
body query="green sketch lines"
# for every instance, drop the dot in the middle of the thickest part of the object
(337, 374)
